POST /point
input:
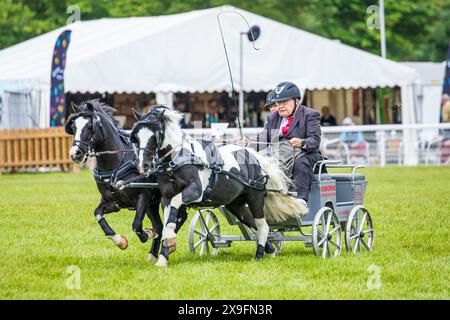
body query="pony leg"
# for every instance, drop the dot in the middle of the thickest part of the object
(168, 234)
(245, 216)
(141, 207)
(189, 194)
(169, 246)
(181, 218)
(99, 213)
(262, 230)
(242, 213)
(170, 221)
(153, 215)
(256, 205)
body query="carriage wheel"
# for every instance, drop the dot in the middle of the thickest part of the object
(203, 230)
(278, 246)
(326, 233)
(359, 230)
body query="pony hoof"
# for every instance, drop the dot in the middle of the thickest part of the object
(269, 248)
(143, 237)
(119, 241)
(259, 252)
(162, 262)
(151, 258)
(151, 233)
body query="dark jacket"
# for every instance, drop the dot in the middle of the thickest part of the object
(306, 126)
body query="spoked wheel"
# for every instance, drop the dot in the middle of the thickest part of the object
(326, 233)
(203, 230)
(359, 230)
(278, 246)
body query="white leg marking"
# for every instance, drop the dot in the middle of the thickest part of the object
(177, 201)
(116, 238)
(262, 231)
(169, 228)
(151, 258)
(162, 261)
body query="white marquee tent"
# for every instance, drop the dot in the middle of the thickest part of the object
(184, 53)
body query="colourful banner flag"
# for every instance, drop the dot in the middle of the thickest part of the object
(445, 102)
(57, 96)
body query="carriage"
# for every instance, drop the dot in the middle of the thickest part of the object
(336, 206)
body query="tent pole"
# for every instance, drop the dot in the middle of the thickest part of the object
(382, 30)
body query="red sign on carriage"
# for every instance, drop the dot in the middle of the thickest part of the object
(328, 190)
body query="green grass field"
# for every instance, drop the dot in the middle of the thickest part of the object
(47, 225)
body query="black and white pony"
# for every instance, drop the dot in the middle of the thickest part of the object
(96, 131)
(188, 175)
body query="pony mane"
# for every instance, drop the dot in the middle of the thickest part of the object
(170, 116)
(102, 108)
(167, 117)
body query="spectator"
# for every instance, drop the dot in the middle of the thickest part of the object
(212, 113)
(354, 141)
(445, 108)
(151, 103)
(445, 155)
(186, 121)
(327, 120)
(263, 112)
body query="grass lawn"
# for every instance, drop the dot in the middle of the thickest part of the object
(47, 225)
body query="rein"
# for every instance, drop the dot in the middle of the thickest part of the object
(101, 153)
(168, 153)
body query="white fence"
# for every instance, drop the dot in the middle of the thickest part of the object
(370, 145)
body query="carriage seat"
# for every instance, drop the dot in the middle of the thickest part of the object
(338, 176)
(347, 176)
(323, 176)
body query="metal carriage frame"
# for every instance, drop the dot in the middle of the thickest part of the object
(335, 206)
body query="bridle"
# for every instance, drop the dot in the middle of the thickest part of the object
(159, 137)
(88, 147)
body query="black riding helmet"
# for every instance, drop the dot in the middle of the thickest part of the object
(269, 101)
(285, 91)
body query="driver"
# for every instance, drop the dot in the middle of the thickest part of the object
(294, 130)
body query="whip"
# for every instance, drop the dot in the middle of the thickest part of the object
(228, 60)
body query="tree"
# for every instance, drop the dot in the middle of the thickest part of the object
(415, 30)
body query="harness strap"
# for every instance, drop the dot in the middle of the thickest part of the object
(110, 177)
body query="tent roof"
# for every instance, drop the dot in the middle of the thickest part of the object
(184, 52)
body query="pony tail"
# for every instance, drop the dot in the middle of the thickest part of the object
(278, 207)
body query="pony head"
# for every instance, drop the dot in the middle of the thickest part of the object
(86, 127)
(157, 130)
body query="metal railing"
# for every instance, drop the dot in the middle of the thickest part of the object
(370, 145)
